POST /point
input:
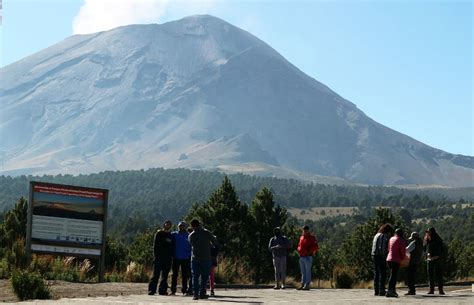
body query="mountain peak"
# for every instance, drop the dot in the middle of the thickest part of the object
(197, 93)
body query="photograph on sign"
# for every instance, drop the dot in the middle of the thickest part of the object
(68, 215)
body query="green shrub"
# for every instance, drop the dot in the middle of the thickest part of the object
(4, 269)
(29, 285)
(343, 277)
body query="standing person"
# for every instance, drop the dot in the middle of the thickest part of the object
(379, 257)
(201, 241)
(163, 249)
(182, 258)
(434, 249)
(279, 246)
(307, 247)
(212, 275)
(415, 248)
(396, 253)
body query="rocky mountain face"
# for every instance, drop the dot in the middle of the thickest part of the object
(197, 93)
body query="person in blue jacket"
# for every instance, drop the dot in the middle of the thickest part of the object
(182, 258)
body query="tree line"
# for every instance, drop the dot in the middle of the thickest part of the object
(244, 229)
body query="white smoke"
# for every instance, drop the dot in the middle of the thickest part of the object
(101, 15)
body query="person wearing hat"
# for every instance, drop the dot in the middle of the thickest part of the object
(434, 249)
(182, 258)
(396, 253)
(163, 249)
(279, 246)
(415, 248)
(307, 247)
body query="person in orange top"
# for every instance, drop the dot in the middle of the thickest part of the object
(307, 247)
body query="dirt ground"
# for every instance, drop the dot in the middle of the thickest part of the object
(62, 289)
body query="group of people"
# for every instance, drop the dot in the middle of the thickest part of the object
(192, 250)
(195, 251)
(279, 245)
(389, 249)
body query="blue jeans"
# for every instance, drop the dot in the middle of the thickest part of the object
(306, 262)
(200, 271)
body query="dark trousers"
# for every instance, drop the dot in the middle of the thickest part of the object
(200, 271)
(185, 265)
(380, 274)
(160, 268)
(411, 276)
(392, 281)
(435, 272)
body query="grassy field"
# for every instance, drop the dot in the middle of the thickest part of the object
(322, 212)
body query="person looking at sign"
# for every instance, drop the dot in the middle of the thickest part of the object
(164, 249)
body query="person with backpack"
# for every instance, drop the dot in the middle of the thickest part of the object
(396, 254)
(279, 246)
(379, 256)
(307, 247)
(435, 251)
(415, 248)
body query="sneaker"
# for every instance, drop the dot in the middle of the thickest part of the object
(172, 293)
(282, 287)
(212, 293)
(300, 288)
(203, 296)
(276, 287)
(442, 292)
(306, 287)
(195, 297)
(410, 293)
(382, 293)
(151, 293)
(391, 294)
(430, 292)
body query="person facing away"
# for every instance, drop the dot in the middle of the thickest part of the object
(379, 257)
(212, 275)
(415, 248)
(182, 258)
(434, 249)
(396, 253)
(279, 246)
(201, 241)
(163, 249)
(307, 247)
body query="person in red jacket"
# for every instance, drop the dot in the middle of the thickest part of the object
(396, 253)
(307, 247)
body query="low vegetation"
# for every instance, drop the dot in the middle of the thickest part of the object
(244, 229)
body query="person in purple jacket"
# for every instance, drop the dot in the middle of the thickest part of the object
(182, 258)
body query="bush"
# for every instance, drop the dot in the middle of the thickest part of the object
(28, 286)
(343, 277)
(4, 269)
(136, 273)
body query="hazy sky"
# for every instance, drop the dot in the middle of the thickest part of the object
(407, 64)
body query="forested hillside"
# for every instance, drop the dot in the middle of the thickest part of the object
(148, 196)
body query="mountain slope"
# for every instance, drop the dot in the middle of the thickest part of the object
(196, 93)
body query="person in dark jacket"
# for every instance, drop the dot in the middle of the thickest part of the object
(279, 246)
(434, 249)
(379, 257)
(163, 249)
(201, 241)
(415, 248)
(182, 258)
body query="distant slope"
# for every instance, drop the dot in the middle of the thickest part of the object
(197, 93)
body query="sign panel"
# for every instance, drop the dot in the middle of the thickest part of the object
(67, 220)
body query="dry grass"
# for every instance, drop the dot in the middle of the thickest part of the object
(322, 212)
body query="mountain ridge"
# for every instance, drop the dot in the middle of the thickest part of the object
(175, 94)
